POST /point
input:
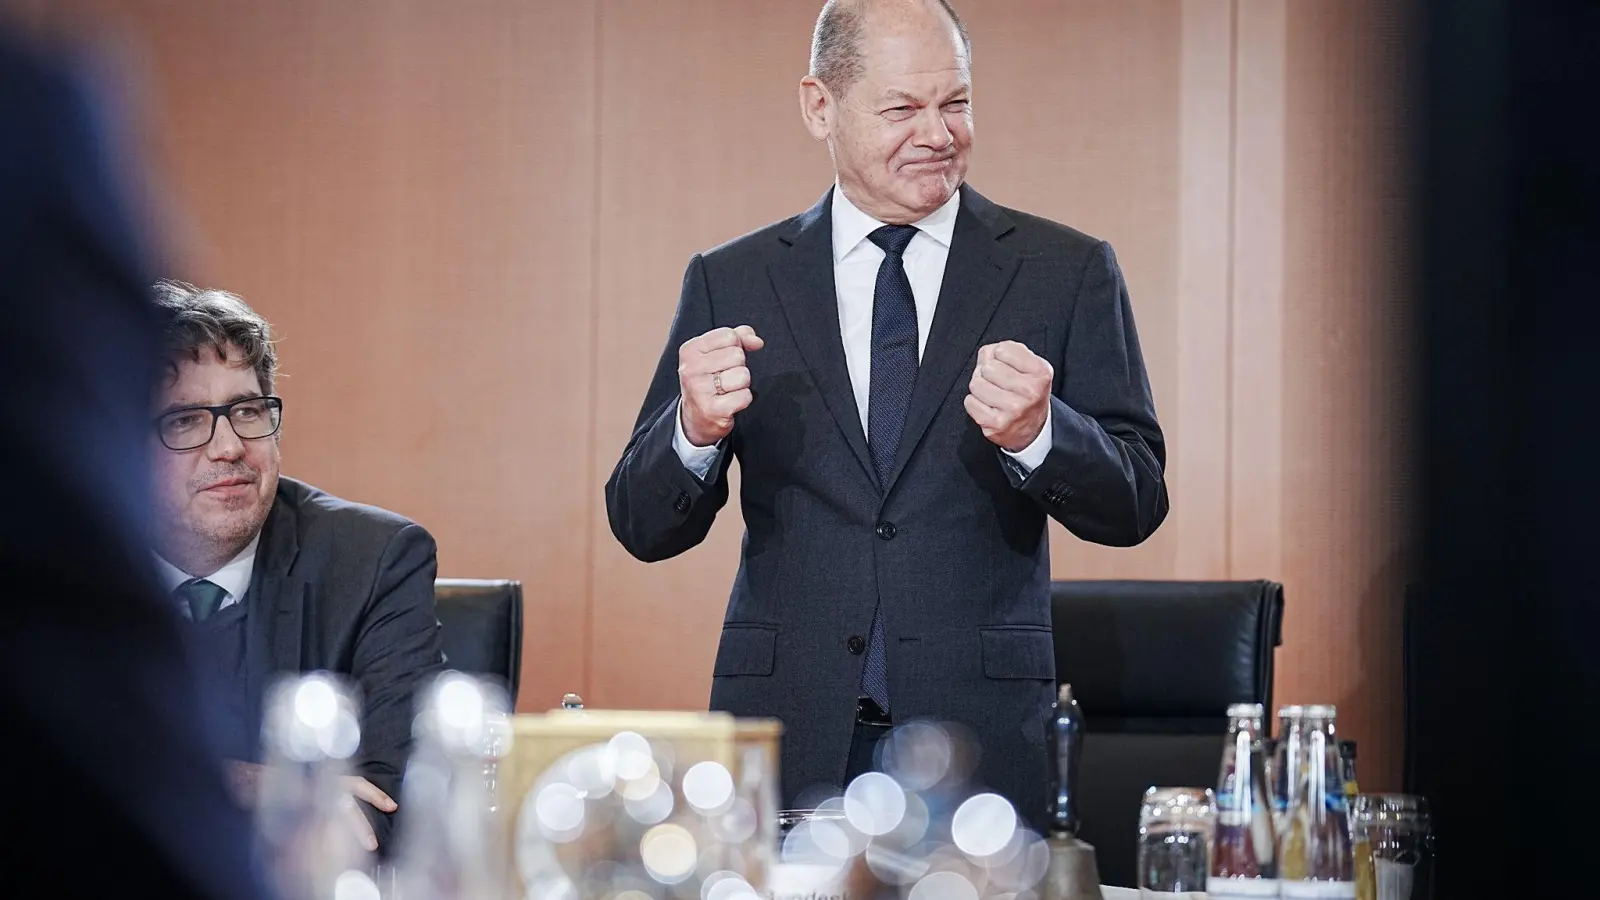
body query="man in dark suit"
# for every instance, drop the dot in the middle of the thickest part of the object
(111, 787)
(273, 575)
(912, 379)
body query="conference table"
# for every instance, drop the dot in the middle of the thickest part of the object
(791, 881)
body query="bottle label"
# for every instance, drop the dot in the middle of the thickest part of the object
(1242, 887)
(1318, 890)
(1227, 814)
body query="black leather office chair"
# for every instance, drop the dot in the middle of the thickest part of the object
(1154, 665)
(481, 628)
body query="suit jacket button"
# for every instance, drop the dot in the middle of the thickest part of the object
(886, 530)
(682, 503)
(856, 645)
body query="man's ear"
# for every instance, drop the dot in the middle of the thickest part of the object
(817, 107)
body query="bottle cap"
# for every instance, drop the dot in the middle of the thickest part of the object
(1291, 712)
(1321, 711)
(1064, 693)
(1244, 710)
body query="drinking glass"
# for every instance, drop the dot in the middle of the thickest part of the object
(1175, 826)
(1393, 844)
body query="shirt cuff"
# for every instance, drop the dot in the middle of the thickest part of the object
(698, 460)
(1032, 456)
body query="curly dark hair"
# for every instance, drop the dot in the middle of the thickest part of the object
(197, 318)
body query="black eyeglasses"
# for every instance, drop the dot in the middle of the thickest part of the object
(194, 426)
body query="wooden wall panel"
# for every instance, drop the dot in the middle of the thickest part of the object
(1345, 553)
(1198, 414)
(700, 142)
(1255, 506)
(400, 187)
(470, 221)
(1079, 122)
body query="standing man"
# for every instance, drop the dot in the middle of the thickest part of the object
(912, 378)
(271, 574)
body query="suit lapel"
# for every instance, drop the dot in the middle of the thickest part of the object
(802, 275)
(277, 601)
(976, 276)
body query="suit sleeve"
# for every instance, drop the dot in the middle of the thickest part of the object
(396, 653)
(657, 507)
(1103, 478)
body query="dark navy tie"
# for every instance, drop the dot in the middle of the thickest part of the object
(202, 597)
(894, 373)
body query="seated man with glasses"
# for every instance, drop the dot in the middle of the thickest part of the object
(272, 575)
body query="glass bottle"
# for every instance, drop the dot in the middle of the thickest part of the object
(1175, 828)
(310, 730)
(450, 841)
(1393, 847)
(1317, 814)
(1244, 844)
(1347, 762)
(1288, 758)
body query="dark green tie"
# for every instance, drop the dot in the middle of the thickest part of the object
(202, 596)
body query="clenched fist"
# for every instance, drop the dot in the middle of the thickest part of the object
(1009, 395)
(714, 382)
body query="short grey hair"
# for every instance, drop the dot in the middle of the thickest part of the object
(196, 318)
(836, 42)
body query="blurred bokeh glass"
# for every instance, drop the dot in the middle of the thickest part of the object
(1393, 847)
(1175, 827)
(451, 837)
(310, 733)
(648, 817)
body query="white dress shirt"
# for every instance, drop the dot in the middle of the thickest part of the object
(233, 577)
(855, 278)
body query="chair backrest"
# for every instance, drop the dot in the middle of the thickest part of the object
(1154, 666)
(481, 628)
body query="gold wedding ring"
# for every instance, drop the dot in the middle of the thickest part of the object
(716, 381)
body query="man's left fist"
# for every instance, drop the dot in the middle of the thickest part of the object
(1009, 395)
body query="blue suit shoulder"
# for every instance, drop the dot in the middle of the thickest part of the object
(352, 531)
(753, 246)
(1033, 235)
(1025, 234)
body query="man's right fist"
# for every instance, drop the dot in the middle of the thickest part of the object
(714, 382)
